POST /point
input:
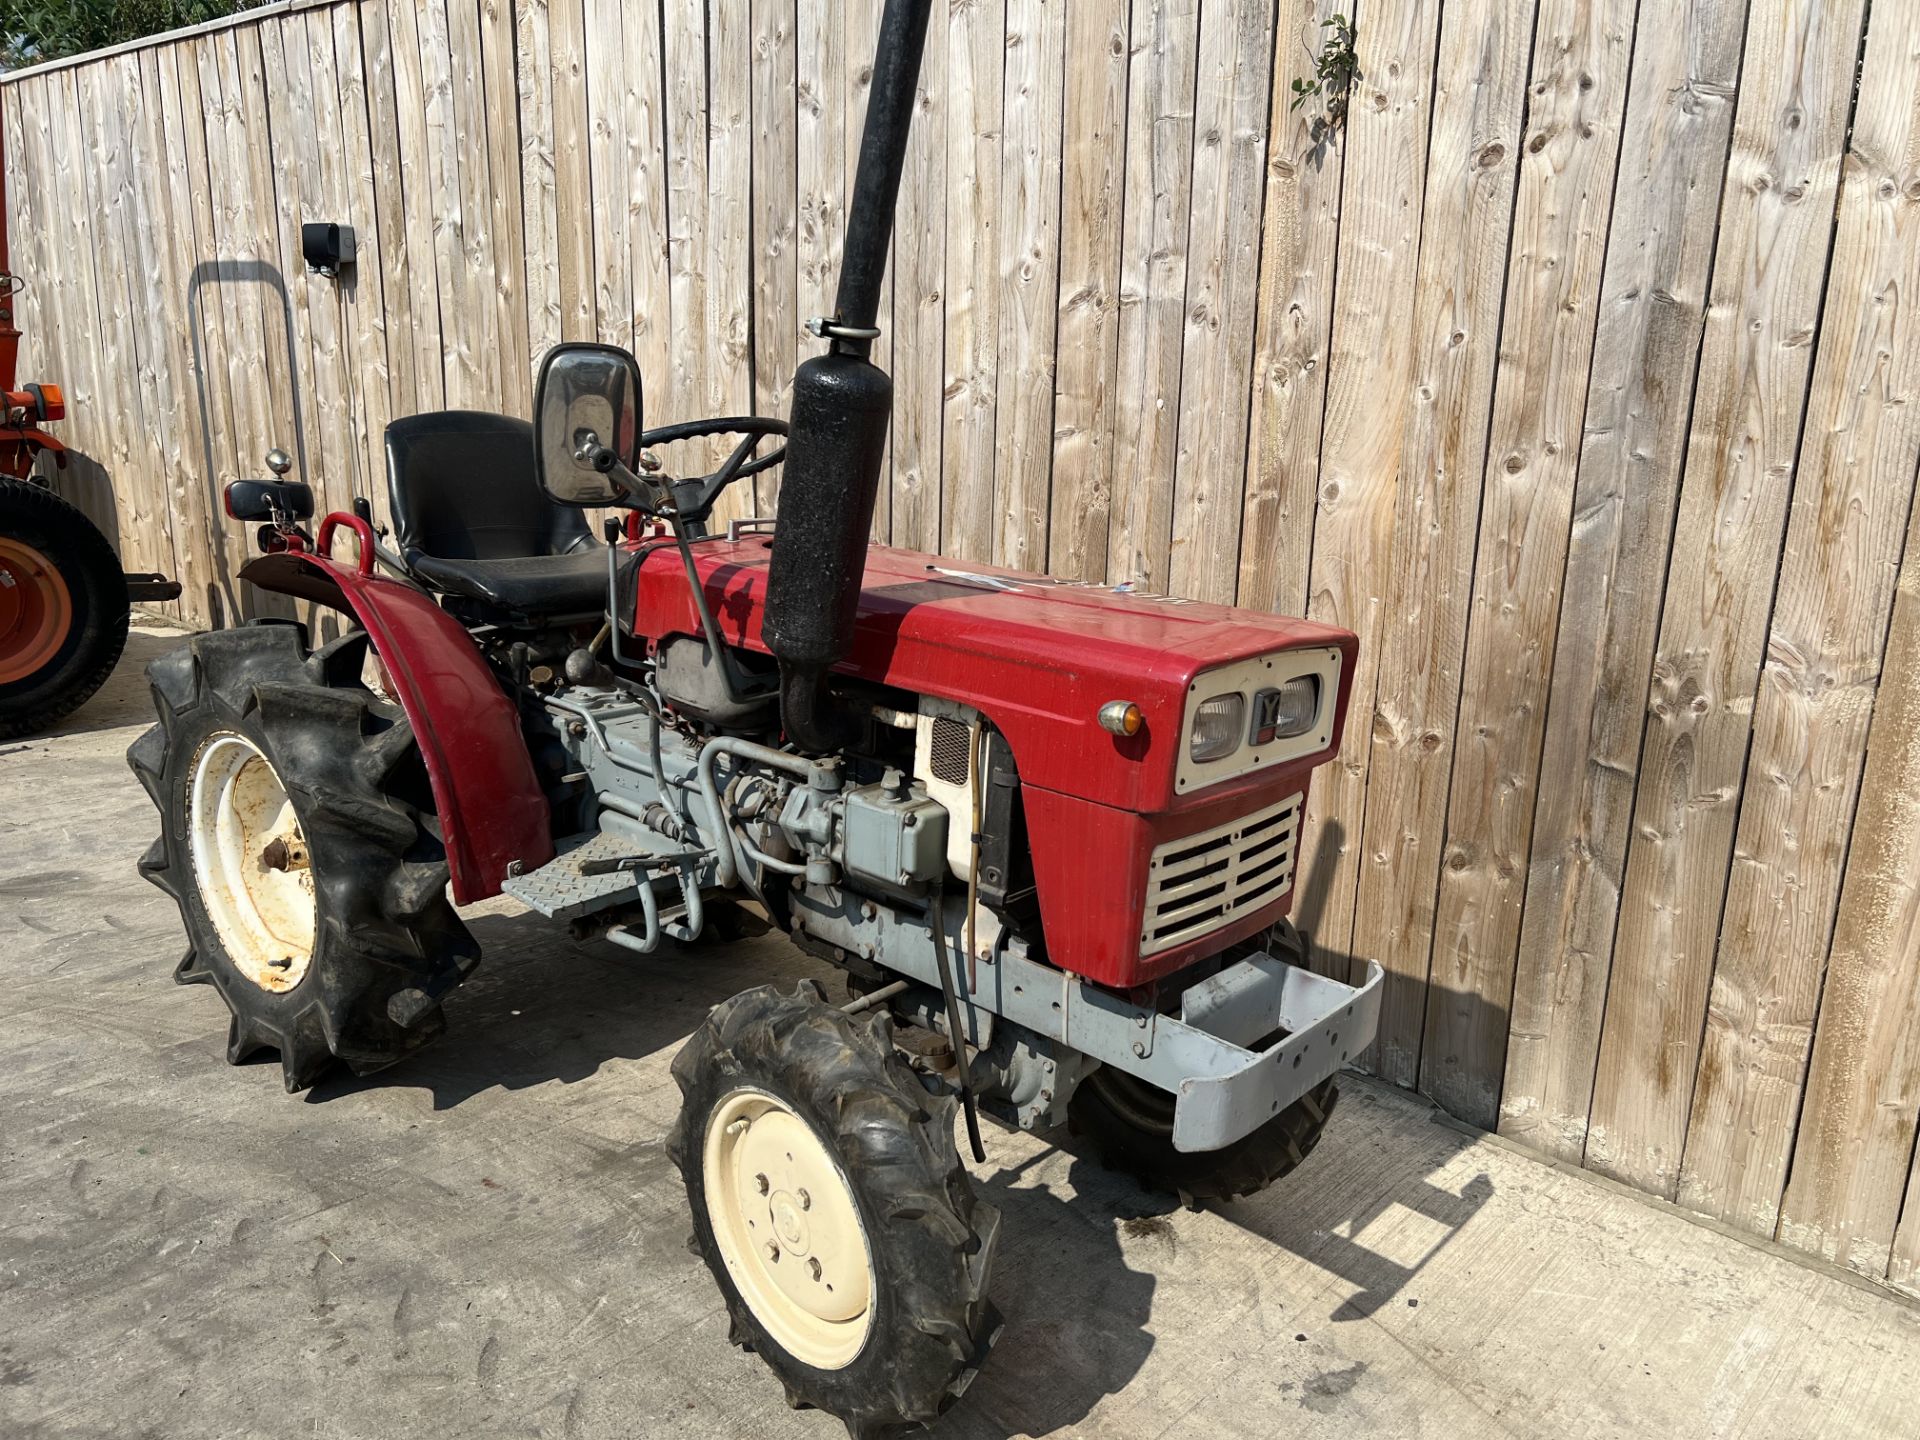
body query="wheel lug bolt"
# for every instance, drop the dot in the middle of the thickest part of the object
(761, 1181)
(814, 1265)
(806, 1200)
(773, 1250)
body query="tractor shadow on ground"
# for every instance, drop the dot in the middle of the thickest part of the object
(1075, 1312)
(543, 1008)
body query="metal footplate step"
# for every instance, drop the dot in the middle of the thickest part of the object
(590, 873)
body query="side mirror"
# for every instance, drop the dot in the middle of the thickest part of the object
(586, 418)
(269, 500)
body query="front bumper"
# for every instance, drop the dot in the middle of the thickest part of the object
(1231, 1091)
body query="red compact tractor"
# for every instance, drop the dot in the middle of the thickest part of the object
(1046, 830)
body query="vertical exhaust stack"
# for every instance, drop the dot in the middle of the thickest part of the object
(842, 405)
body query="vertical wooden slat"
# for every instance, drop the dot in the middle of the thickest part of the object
(506, 221)
(1582, 52)
(127, 339)
(919, 306)
(776, 273)
(642, 114)
(1473, 158)
(860, 25)
(363, 293)
(167, 213)
(1306, 158)
(1680, 105)
(1823, 654)
(258, 378)
(1368, 370)
(1029, 228)
(482, 346)
(410, 188)
(1856, 1132)
(158, 321)
(727, 325)
(968, 454)
(821, 141)
(540, 215)
(1223, 277)
(207, 312)
(1775, 223)
(1086, 333)
(1153, 288)
(685, 37)
(576, 210)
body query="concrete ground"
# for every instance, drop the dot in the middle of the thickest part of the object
(490, 1241)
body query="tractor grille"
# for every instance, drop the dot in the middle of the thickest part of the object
(950, 753)
(1199, 883)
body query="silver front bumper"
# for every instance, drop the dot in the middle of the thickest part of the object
(1325, 1023)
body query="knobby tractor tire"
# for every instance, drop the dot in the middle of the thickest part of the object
(929, 1240)
(387, 945)
(63, 632)
(1130, 1124)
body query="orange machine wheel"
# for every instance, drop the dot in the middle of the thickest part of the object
(36, 610)
(63, 608)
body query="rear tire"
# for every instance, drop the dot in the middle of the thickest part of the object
(814, 1101)
(299, 839)
(63, 608)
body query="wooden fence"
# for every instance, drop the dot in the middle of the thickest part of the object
(1575, 372)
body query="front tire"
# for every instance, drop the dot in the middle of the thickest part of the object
(63, 608)
(299, 839)
(830, 1206)
(1130, 1124)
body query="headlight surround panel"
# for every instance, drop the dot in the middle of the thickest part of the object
(1285, 711)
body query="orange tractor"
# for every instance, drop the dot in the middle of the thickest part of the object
(64, 601)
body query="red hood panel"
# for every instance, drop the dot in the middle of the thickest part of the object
(1037, 656)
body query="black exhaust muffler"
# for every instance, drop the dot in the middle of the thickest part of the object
(842, 405)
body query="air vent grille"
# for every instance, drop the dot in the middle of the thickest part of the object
(1199, 883)
(949, 755)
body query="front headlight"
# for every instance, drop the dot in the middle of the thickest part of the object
(1286, 711)
(1218, 727)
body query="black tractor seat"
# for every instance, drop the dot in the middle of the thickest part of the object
(473, 522)
(546, 585)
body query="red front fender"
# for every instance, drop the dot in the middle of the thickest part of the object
(492, 811)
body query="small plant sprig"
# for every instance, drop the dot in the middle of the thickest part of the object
(1335, 69)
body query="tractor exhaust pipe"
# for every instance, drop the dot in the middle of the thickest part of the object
(842, 405)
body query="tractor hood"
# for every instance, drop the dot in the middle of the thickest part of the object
(1038, 657)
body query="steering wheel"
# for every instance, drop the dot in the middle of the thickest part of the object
(693, 499)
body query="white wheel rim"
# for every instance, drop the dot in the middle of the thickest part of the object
(784, 1218)
(250, 862)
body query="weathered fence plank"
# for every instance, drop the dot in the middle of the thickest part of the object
(1029, 233)
(1582, 51)
(1652, 313)
(1086, 331)
(776, 274)
(1472, 160)
(1775, 222)
(976, 76)
(1306, 157)
(1368, 373)
(1823, 652)
(1153, 287)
